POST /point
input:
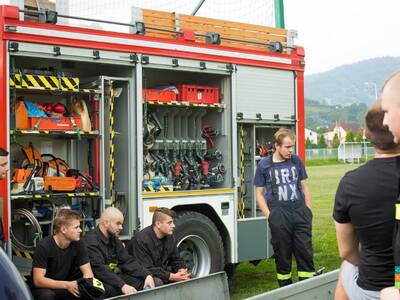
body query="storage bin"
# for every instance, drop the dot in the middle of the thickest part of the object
(159, 95)
(198, 94)
(54, 123)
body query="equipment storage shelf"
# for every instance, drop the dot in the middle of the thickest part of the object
(77, 150)
(56, 144)
(186, 124)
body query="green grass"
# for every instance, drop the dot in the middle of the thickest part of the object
(323, 180)
(332, 161)
(323, 162)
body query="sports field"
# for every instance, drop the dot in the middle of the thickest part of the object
(323, 180)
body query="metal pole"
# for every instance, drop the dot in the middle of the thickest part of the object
(367, 83)
(279, 14)
(376, 90)
(195, 10)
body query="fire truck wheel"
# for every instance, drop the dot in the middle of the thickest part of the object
(199, 242)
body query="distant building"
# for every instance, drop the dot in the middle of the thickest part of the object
(311, 135)
(341, 129)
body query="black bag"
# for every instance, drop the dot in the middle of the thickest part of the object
(90, 288)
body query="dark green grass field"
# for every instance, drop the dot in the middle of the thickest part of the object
(323, 180)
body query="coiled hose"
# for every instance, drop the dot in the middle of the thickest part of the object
(38, 235)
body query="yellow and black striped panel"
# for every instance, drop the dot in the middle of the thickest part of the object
(166, 188)
(163, 188)
(241, 205)
(111, 145)
(148, 189)
(22, 254)
(40, 82)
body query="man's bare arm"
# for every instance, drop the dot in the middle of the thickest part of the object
(262, 204)
(348, 242)
(307, 196)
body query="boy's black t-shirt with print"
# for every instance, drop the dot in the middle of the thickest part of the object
(366, 198)
(60, 264)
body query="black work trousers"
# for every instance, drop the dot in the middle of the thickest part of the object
(112, 291)
(51, 294)
(291, 234)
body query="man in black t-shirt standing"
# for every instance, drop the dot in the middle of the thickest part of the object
(391, 107)
(364, 215)
(60, 260)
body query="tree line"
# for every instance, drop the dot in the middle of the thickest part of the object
(323, 143)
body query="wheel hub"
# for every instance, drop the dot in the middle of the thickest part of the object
(196, 254)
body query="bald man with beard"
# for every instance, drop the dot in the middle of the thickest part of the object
(110, 261)
(391, 106)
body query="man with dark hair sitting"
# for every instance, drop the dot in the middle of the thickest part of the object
(156, 249)
(60, 260)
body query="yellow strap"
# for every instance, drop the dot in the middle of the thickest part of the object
(398, 211)
(306, 274)
(284, 276)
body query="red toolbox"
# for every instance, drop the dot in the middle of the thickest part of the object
(54, 123)
(198, 94)
(159, 95)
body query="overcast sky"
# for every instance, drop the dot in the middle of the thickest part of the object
(332, 32)
(341, 32)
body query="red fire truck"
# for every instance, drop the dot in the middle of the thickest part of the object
(176, 113)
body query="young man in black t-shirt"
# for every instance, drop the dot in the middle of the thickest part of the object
(364, 215)
(60, 260)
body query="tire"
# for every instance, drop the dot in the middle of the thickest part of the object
(199, 242)
(230, 270)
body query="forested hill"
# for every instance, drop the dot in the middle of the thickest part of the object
(351, 83)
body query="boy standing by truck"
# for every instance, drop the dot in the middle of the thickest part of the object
(283, 197)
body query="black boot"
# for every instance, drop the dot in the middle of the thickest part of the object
(284, 282)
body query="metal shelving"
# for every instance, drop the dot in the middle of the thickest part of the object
(45, 196)
(219, 106)
(56, 133)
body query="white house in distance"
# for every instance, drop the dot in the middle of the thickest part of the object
(311, 135)
(340, 130)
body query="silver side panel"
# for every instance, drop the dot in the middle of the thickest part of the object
(321, 287)
(265, 91)
(214, 286)
(163, 62)
(72, 53)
